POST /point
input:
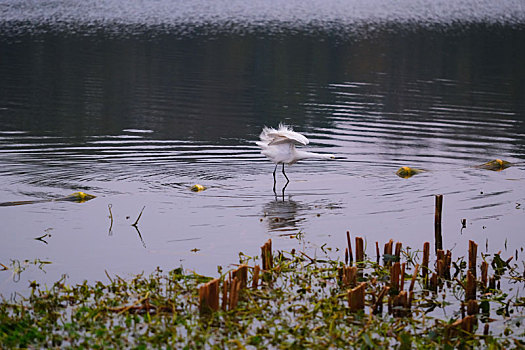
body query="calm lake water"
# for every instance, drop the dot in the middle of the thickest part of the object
(135, 102)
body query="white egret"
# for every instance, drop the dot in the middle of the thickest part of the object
(279, 146)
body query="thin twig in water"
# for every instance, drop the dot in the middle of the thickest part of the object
(41, 238)
(138, 231)
(107, 274)
(110, 232)
(312, 260)
(136, 222)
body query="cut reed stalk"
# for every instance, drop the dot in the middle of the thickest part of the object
(255, 278)
(484, 273)
(351, 258)
(470, 291)
(209, 296)
(472, 254)
(437, 222)
(377, 308)
(266, 255)
(426, 258)
(359, 250)
(356, 297)
(388, 251)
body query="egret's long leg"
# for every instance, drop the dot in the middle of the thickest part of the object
(287, 179)
(274, 170)
(284, 188)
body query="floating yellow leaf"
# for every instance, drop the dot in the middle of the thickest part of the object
(495, 165)
(197, 188)
(79, 197)
(406, 172)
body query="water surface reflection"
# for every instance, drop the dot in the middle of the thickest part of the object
(136, 118)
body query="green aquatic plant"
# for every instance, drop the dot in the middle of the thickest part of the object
(296, 301)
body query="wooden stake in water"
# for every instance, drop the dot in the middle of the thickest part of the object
(437, 222)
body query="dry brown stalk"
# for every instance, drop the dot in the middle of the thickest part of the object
(400, 305)
(377, 308)
(242, 275)
(472, 253)
(466, 324)
(426, 257)
(349, 247)
(266, 255)
(359, 250)
(233, 297)
(472, 307)
(395, 271)
(484, 273)
(350, 276)
(413, 280)
(470, 292)
(356, 297)
(399, 245)
(209, 296)
(437, 222)
(433, 283)
(388, 250)
(402, 283)
(448, 263)
(255, 278)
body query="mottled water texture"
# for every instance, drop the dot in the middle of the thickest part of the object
(135, 102)
(237, 16)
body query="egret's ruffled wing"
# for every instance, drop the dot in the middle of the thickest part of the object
(283, 135)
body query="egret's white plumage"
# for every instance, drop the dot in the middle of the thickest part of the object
(279, 146)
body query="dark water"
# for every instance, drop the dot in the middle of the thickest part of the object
(135, 104)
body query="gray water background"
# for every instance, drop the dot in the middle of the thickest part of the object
(136, 101)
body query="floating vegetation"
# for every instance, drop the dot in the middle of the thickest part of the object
(292, 301)
(406, 172)
(197, 188)
(495, 165)
(79, 197)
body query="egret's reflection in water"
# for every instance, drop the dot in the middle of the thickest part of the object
(284, 214)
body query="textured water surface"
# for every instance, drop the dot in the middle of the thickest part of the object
(135, 102)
